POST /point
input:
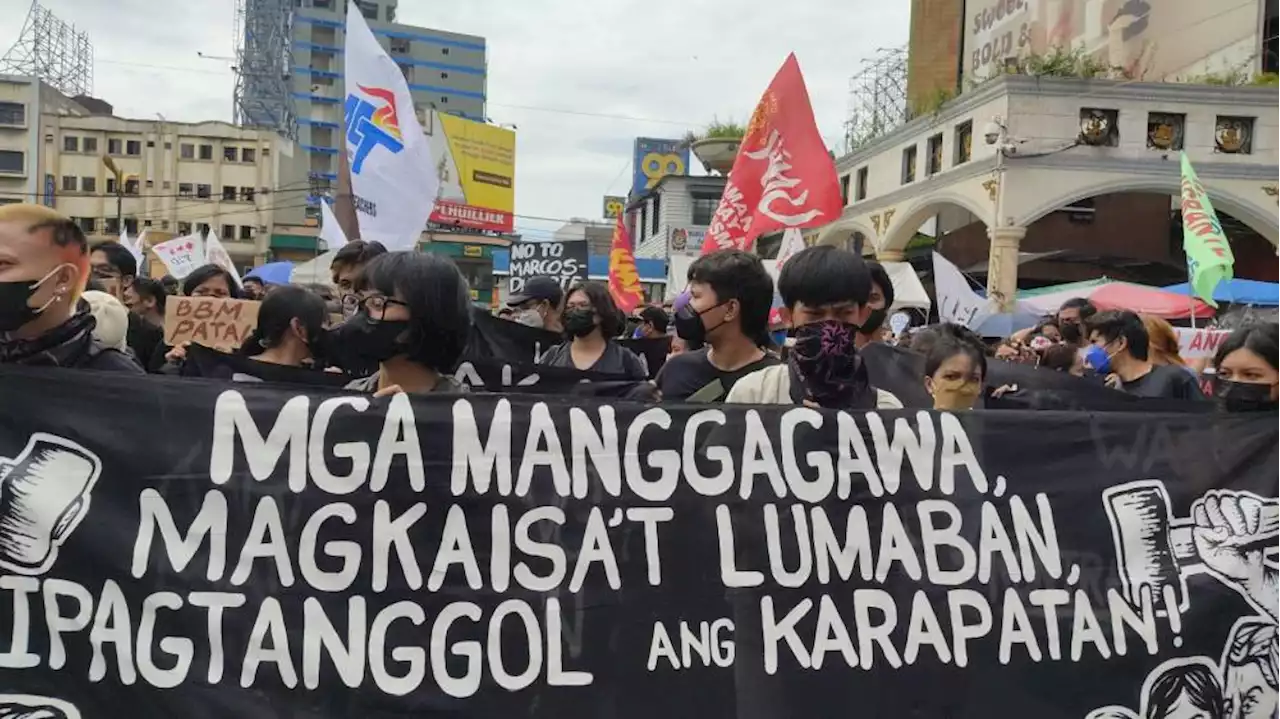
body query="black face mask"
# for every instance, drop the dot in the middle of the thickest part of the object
(1070, 332)
(874, 322)
(579, 322)
(1243, 396)
(15, 299)
(689, 325)
(360, 342)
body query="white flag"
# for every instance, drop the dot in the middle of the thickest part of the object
(135, 247)
(181, 255)
(331, 233)
(216, 254)
(957, 302)
(792, 242)
(393, 176)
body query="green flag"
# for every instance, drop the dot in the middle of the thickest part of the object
(1209, 258)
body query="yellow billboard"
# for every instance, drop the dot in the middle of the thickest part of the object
(477, 168)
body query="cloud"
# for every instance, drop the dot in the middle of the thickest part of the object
(668, 66)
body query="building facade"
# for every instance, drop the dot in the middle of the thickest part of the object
(446, 72)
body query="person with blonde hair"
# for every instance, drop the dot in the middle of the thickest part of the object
(1162, 342)
(44, 320)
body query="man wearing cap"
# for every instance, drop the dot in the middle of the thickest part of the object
(538, 304)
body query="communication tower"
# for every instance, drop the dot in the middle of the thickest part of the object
(53, 51)
(264, 66)
(877, 97)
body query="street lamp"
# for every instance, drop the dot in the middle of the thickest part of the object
(119, 176)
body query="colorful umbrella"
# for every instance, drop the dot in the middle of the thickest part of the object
(1114, 295)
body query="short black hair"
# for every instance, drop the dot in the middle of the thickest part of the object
(357, 252)
(438, 299)
(1087, 309)
(951, 339)
(204, 273)
(655, 316)
(170, 284)
(611, 318)
(824, 275)
(741, 276)
(880, 278)
(147, 287)
(118, 256)
(65, 233)
(276, 314)
(1114, 324)
(1196, 681)
(1261, 339)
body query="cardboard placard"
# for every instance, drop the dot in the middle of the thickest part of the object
(218, 323)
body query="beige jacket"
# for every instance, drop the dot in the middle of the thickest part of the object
(772, 385)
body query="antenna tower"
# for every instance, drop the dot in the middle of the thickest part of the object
(53, 51)
(877, 97)
(264, 66)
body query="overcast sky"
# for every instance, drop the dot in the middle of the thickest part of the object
(669, 65)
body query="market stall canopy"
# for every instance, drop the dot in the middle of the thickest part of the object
(1241, 292)
(1107, 294)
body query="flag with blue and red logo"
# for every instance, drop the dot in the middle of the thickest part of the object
(394, 178)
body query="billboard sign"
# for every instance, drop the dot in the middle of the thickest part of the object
(654, 159)
(476, 164)
(614, 206)
(1147, 39)
(686, 240)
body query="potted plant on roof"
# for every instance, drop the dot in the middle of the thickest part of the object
(717, 146)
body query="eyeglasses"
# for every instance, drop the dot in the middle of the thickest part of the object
(373, 305)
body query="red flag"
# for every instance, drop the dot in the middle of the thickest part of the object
(624, 280)
(784, 176)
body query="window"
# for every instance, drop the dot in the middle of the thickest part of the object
(69, 183)
(247, 194)
(246, 232)
(111, 185)
(168, 145)
(13, 161)
(444, 51)
(933, 163)
(444, 76)
(70, 143)
(248, 154)
(266, 152)
(322, 4)
(407, 71)
(146, 223)
(400, 44)
(203, 228)
(368, 9)
(166, 184)
(13, 113)
(184, 228)
(150, 183)
(206, 152)
(88, 225)
(133, 147)
(185, 189)
(90, 144)
(230, 154)
(111, 226)
(151, 143)
(228, 231)
(1271, 38)
(131, 186)
(704, 208)
(114, 146)
(204, 192)
(964, 142)
(131, 225)
(844, 189)
(164, 224)
(909, 165)
(657, 213)
(88, 184)
(860, 189)
(444, 99)
(228, 193)
(187, 151)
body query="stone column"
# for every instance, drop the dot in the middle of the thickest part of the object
(1002, 266)
(891, 255)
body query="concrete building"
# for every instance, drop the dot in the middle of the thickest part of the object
(22, 101)
(446, 72)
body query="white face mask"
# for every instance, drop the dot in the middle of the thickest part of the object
(530, 318)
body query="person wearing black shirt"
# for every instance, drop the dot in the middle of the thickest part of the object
(116, 269)
(727, 316)
(145, 299)
(592, 320)
(1121, 349)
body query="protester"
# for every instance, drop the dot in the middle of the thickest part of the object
(170, 284)
(825, 292)
(254, 288)
(678, 347)
(145, 299)
(291, 328)
(538, 304)
(1121, 348)
(1071, 318)
(880, 301)
(44, 265)
(1062, 357)
(1246, 362)
(111, 319)
(730, 295)
(653, 322)
(413, 319)
(346, 266)
(1162, 342)
(116, 268)
(592, 320)
(955, 368)
(212, 281)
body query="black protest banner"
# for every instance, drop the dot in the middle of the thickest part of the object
(514, 343)
(330, 555)
(566, 262)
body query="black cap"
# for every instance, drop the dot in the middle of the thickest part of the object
(538, 288)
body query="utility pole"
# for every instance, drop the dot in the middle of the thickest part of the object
(119, 177)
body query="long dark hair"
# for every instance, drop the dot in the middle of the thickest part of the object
(276, 315)
(952, 340)
(611, 318)
(204, 273)
(438, 300)
(1259, 339)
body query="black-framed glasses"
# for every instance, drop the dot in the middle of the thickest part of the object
(373, 305)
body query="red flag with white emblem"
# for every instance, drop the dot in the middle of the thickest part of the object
(784, 177)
